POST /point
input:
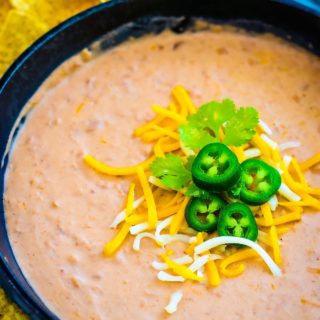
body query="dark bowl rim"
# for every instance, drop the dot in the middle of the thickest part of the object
(18, 62)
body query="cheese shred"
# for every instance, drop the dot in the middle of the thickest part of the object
(106, 169)
(275, 245)
(112, 246)
(215, 242)
(130, 200)
(178, 218)
(311, 162)
(175, 299)
(236, 258)
(152, 210)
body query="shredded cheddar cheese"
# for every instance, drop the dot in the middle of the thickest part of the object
(157, 149)
(182, 96)
(215, 242)
(314, 160)
(166, 132)
(178, 218)
(275, 245)
(261, 145)
(213, 274)
(112, 246)
(210, 268)
(234, 258)
(106, 169)
(152, 210)
(169, 114)
(290, 217)
(239, 152)
(159, 213)
(180, 270)
(141, 130)
(121, 216)
(130, 200)
(266, 212)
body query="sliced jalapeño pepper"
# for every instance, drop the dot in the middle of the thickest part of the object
(237, 220)
(216, 168)
(259, 182)
(202, 214)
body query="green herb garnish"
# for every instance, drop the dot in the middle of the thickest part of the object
(172, 171)
(202, 129)
(203, 126)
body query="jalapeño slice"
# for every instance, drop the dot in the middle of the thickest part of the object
(259, 183)
(202, 214)
(216, 168)
(237, 220)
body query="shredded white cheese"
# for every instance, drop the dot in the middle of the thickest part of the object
(161, 225)
(215, 242)
(139, 237)
(157, 182)
(199, 263)
(160, 266)
(273, 202)
(187, 151)
(273, 145)
(138, 228)
(286, 192)
(167, 238)
(265, 127)
(289, 145)
(120, 217)
(175, 298)
(200, 272)
(287, 160)
(167, 277)
(189, 231)
(214, 257)
(252, 153)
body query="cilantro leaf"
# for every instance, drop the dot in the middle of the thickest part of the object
(190, 162)
(194, 191)
(194, 137)
(203, 126)
(213, 114)
(172, 171)
(241, 127)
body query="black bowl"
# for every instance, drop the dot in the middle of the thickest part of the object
(297, 23)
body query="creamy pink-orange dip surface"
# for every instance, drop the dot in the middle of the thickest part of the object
(59, 211)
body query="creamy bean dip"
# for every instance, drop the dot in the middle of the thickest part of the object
(59, 211)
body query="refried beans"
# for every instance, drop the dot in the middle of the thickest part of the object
(58, 210)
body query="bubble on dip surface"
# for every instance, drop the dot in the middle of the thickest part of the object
(59, 211)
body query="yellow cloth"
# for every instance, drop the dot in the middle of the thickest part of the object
(8, 310)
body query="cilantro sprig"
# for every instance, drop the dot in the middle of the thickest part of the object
(202, 128)
(172, 171)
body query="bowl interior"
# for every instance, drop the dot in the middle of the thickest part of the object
(300, 25)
